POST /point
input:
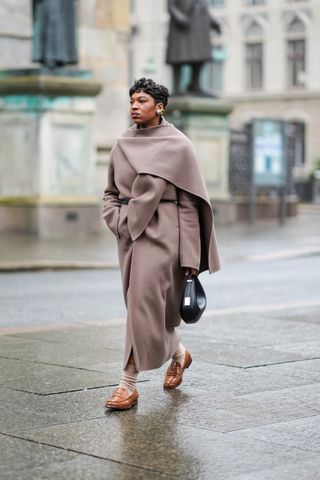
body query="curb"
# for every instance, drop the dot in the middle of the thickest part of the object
(34, 265)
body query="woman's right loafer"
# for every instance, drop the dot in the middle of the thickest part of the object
(174, 374)
(122, 399)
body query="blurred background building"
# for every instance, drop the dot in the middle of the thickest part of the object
(265, 64)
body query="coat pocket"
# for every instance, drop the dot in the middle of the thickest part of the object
(122, 225)
(112, 222)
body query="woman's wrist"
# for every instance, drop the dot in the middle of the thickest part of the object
(190, 271)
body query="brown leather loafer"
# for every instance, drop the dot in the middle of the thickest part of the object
(174, 374)
(122, 399)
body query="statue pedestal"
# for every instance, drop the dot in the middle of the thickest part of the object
(205, 121)
(47, 153)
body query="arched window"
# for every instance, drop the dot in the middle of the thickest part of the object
(296, 26)
(254, 55)
(254, 30)
(296, 53)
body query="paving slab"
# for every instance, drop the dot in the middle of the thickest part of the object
(310, 366)
(227, 380)
(254, 330)
(235, 381)
(24, 460)
(110, 336)
(188, 406)
(307, 369)
(90, 356)
(307, 349)
(183, 451)
(226, 410)
(311, 315)
(185, 405)
(273, 378)
(303, 433)
(221, 412)
(302, 470)
(26, 410)
(237, 355)
(80, 354)
(275, 406)
(47, 379)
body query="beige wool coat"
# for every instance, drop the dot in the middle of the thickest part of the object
(166, 225)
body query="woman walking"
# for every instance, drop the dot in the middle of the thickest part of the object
(157, 206)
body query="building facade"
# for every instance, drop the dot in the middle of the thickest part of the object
(265, 63)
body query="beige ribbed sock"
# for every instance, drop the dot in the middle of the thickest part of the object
(129, 378)
(179, 354)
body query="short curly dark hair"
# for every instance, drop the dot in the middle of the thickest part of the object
(158, 92)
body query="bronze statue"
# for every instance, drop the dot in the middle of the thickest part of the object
(54, 38)
(189, 41)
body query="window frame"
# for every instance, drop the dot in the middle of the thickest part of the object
(294, 62)
(254, 3)
(251, 64)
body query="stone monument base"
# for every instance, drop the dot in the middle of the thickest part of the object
(47, 163)
(50, 218)
(205, 121)
(266, 207)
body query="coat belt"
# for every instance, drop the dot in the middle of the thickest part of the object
(125, 201)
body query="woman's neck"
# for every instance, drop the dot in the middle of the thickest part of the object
(151, 125)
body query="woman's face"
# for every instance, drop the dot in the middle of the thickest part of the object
(144, 109)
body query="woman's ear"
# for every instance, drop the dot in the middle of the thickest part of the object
(160, 108)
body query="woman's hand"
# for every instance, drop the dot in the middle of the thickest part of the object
(189, 270)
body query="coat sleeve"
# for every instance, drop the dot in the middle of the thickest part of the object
(190, 240)
(111, 202)
(146, 194)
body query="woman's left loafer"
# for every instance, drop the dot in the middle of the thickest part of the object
(122, 399)
(174, 374)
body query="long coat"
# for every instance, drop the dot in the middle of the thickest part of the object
(189, 32)
(158, 232)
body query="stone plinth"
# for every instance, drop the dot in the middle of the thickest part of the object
(205, 121)
(47, 152)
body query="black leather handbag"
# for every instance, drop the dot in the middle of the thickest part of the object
(194, 300)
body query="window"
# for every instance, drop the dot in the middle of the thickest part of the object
(295, 141)
(299, 143)
(296, 62)
(254, 31)
(296, 26)
(296, 52)
(216, 3)
(254, 65)
(254, 2)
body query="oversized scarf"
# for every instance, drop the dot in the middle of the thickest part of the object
(164, 151)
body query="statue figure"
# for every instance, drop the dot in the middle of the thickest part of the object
(189, 41)
(54, 39)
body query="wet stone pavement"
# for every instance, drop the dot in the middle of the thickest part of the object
(249, 406)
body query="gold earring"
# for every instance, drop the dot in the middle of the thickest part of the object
(159, 112)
